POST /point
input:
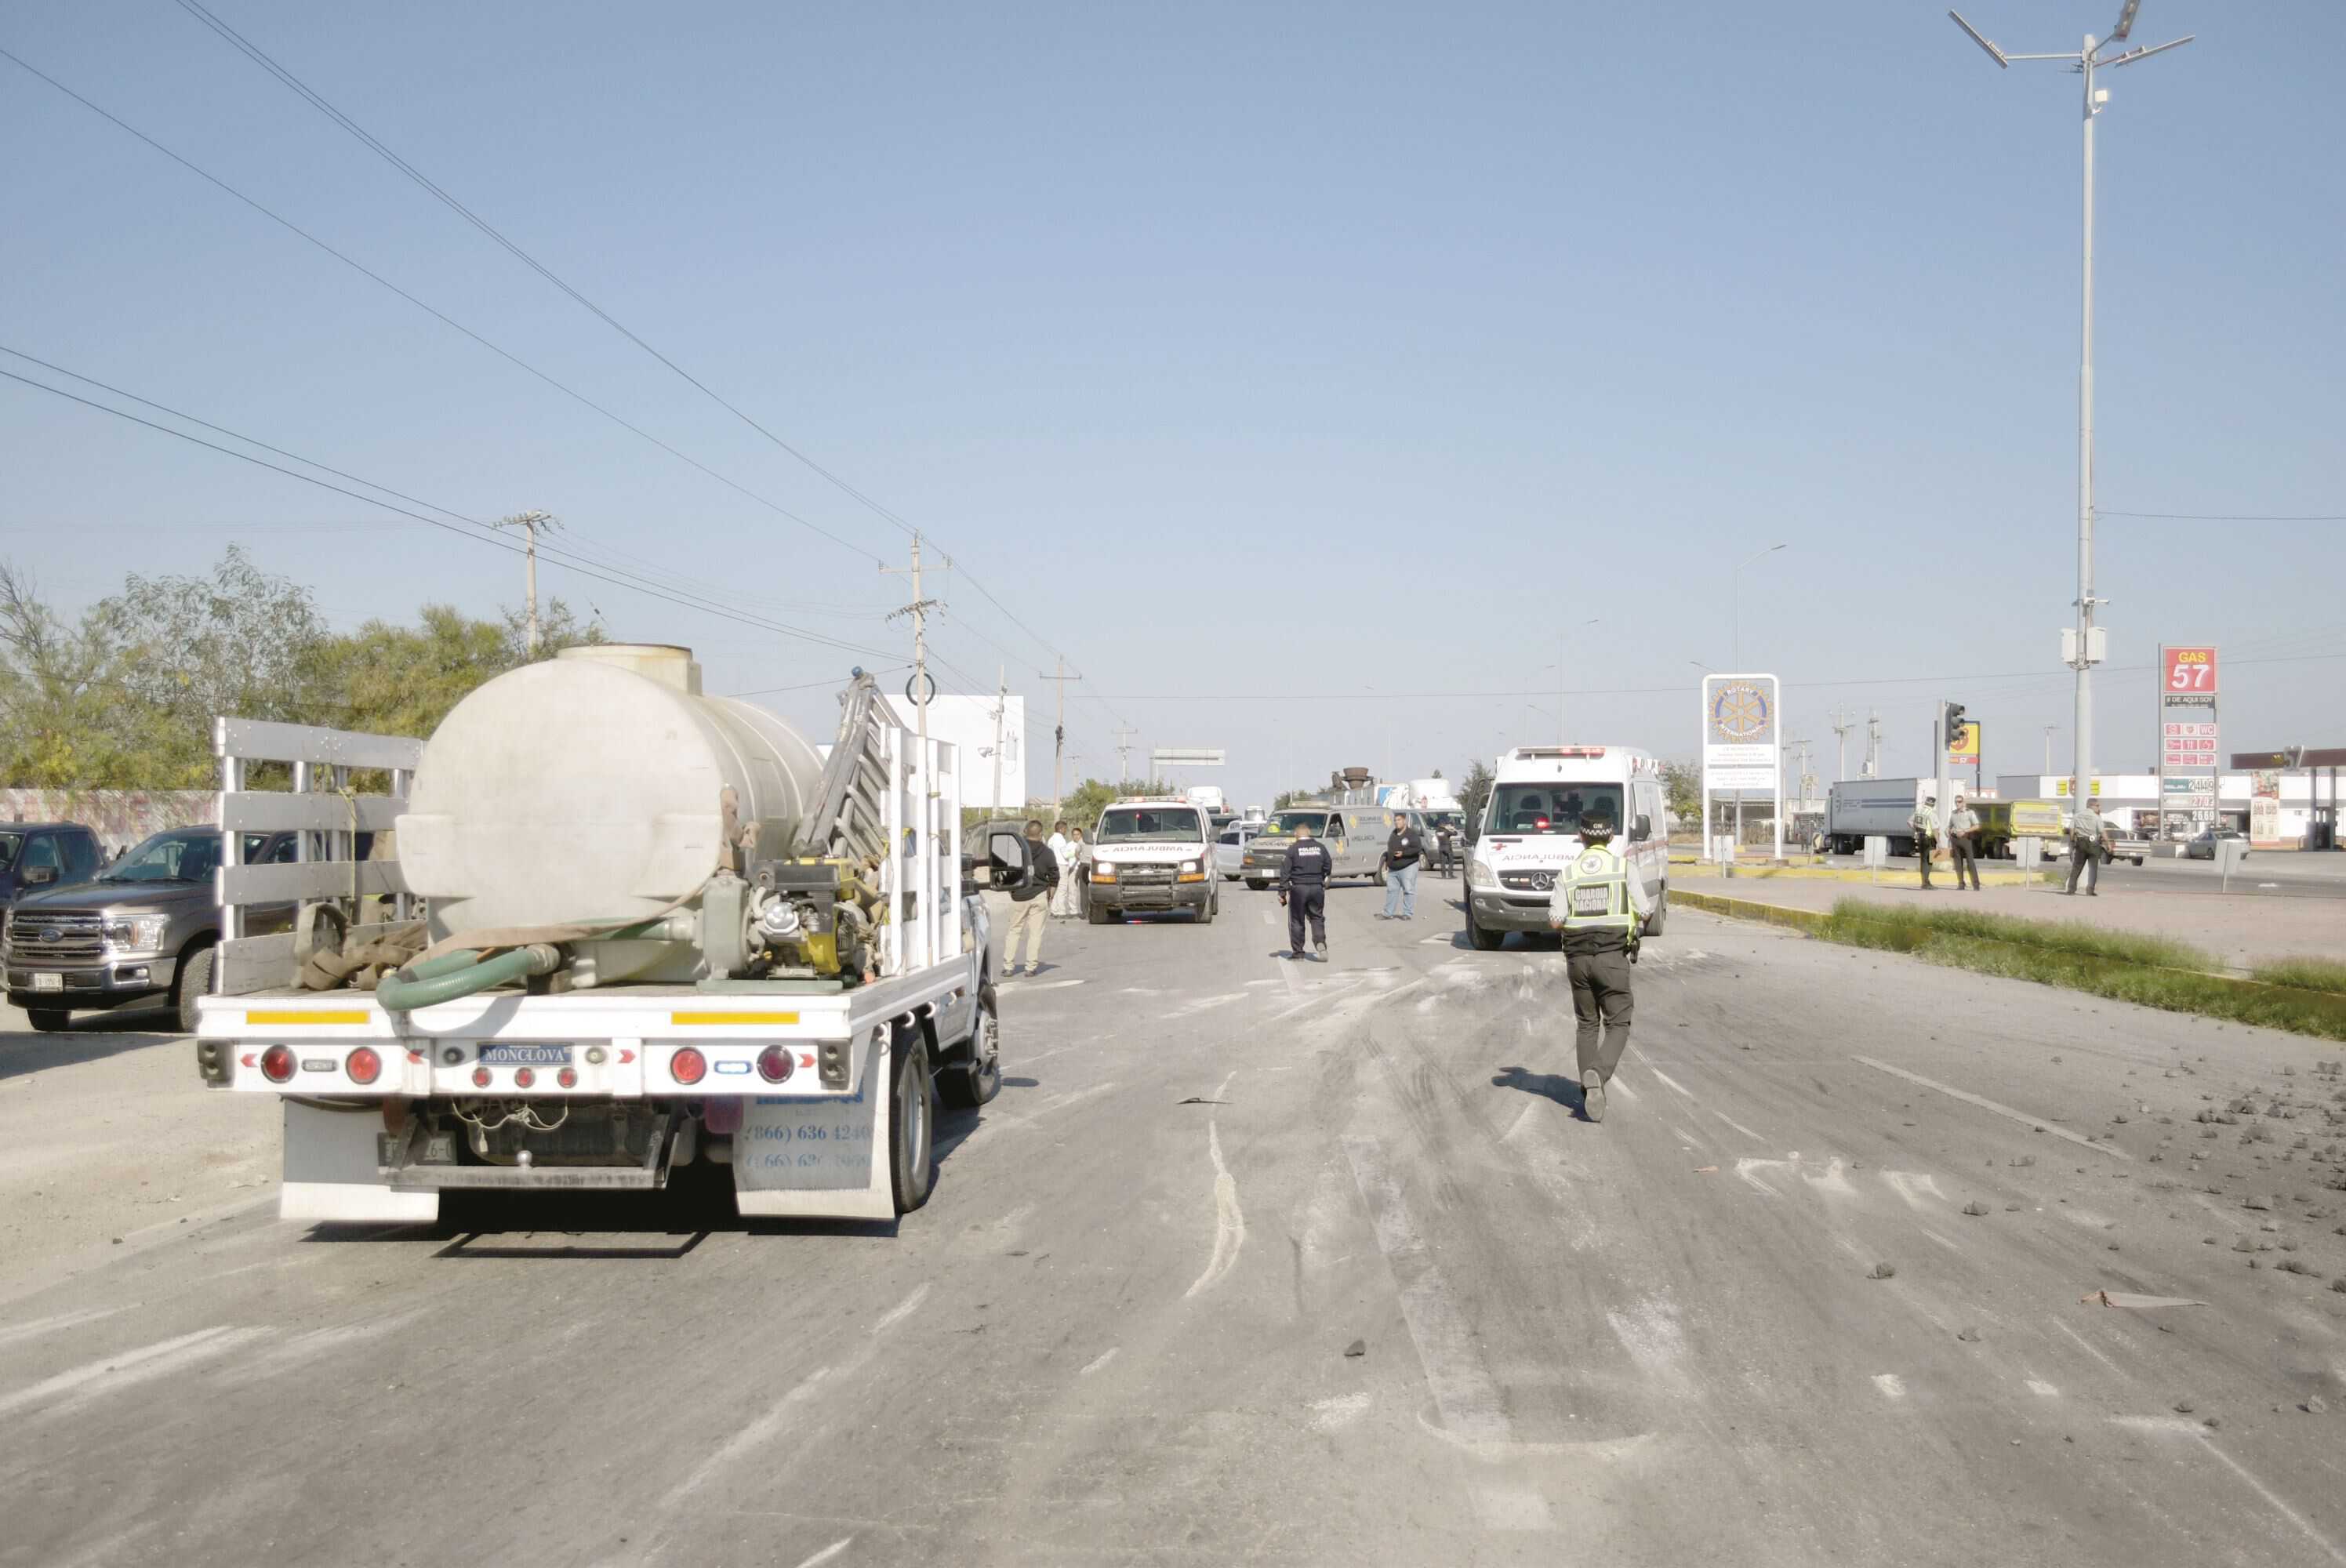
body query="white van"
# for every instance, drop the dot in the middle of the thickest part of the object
(1530, 833)
(1151, 857)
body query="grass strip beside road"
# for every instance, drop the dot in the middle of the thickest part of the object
(2304, 973)
(2124, 966)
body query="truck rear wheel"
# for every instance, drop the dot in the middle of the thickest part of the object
(911, 1123)
(969, 1084)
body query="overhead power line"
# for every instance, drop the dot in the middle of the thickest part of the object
(563, 555)
(798, 633)
(1549, 693)
(432, 311)
(375, 145)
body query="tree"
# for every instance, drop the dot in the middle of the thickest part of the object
(190, 648)
(387, 679)
(1684, 782)
(1082, 804)
(59, 694)
(1475, 794)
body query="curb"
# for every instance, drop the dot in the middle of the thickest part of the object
(1899, 877)
(1809, 921)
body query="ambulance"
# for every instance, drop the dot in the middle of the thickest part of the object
(1530, 833)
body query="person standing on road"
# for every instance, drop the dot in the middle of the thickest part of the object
(1030, 905)
(1404, 853)
(1067, 849)
(1963, 842)
(1601, 905)
(1924, 825)
(2086, 830)
(1303, 888)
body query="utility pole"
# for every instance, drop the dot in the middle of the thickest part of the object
(1001, 702)
(530, 523)
(2084, 645)
(1872, 765)
(1840, 728)
(1124, 734)
(920, 688)
(1059, 732)
(2050, 730)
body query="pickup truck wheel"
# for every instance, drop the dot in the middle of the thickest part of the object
(194, 979)
(1257, 887)
(49, 1020)
(1479, 940)
(911, 1123)
(972, 1083)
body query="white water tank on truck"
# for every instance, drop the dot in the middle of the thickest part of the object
(596, 786)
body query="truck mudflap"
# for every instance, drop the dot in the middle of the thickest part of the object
(797, 1159)
(333, 1173)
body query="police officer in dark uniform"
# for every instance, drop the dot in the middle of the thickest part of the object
(1303, 888)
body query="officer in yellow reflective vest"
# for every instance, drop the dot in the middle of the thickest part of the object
(1601, 905)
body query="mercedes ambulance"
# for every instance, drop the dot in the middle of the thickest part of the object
(1531, 833)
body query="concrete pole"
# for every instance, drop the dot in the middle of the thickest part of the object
(2082, 780)
(1001, 702)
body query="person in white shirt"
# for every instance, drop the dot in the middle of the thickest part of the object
(2086, 833)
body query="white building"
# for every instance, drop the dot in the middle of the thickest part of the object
(2304, 798)
(969, 723)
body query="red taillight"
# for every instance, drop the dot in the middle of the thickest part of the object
(567, 1077)
(363, 1065)
(276, 1064)
(480, 1077)
(688, 1066)
(1542, 824)
(524, 1077)
(774, 1064)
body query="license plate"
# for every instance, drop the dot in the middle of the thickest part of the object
(525, 1055)
(48, 982)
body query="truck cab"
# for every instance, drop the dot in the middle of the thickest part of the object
(1530, 833)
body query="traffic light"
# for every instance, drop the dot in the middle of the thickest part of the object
(1954, 718)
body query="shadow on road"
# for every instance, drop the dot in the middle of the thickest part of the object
(1564, 1091)
(90, 1039)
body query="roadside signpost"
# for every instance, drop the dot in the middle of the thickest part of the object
(1742, 749)
(2189, 760)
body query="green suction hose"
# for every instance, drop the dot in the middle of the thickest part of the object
(461, 974)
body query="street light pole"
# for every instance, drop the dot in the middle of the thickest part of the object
(2083, 656)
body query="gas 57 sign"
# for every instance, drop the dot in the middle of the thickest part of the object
(2192, 670)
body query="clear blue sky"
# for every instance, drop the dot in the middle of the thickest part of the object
(1257, 358)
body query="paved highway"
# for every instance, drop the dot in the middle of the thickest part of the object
(1261, 1262)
